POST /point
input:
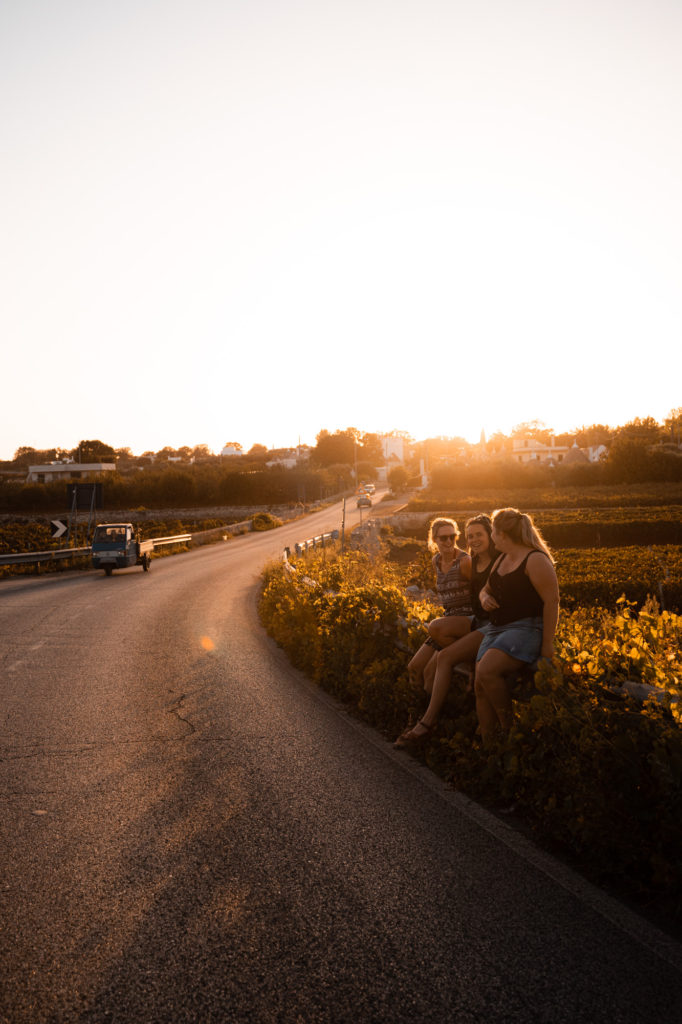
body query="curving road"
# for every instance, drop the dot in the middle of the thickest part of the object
(190, 832)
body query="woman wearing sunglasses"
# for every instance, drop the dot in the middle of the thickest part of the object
(453, 573)
(482, 556)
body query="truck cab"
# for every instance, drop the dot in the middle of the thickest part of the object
(114, 546)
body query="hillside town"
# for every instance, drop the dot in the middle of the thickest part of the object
(528, 444)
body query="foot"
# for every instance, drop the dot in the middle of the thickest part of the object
(419, 733)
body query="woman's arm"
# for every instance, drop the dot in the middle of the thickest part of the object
(465, 566)
(542, 575)
(485, 594)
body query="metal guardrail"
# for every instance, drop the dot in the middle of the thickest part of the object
(31, 557)
(320, 541)
(36, 557)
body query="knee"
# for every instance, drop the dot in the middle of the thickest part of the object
(481, 680)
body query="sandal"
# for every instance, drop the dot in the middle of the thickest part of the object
(410, 739)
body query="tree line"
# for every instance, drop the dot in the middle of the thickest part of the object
(639, 451)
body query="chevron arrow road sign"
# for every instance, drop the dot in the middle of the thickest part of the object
(58, 527)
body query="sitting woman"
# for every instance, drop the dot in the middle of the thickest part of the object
(522, 599)
(453, 570)
(479, 541)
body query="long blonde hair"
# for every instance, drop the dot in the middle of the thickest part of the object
(521, 529)
(435, 527)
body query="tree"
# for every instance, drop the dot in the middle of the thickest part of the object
(201, 451)
(27, 456)
(436, 448)
(645, 431)
(257, 451)
(397, 478)
(594, 435)
(533, 429)
(673, 424)
(372, 449)
(339, 447)
(93, 451)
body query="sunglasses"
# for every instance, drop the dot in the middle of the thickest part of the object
(446, 536)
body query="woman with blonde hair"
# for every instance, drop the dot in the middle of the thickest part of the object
(453, 572)
(521, 598)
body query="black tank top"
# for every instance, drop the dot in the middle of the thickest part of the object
(479, 578)
(515, 594)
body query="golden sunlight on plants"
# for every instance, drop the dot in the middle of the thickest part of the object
(593, 762)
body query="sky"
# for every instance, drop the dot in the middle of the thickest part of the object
(249, 220)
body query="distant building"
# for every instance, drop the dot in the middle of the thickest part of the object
(596, 452)
(531, 450)
(68, 471)
(575, 456)
(288, 458)
(393, 448)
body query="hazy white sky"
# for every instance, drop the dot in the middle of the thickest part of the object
(247, 221)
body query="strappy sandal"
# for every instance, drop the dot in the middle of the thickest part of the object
(409, 739)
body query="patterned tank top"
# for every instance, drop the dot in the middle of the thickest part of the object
(453, 589)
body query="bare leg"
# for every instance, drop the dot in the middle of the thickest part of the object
(449, 628)
(493, 698)
(463, 649)
(418, 663)
(430, 672)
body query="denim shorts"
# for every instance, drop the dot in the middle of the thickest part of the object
(521, 639)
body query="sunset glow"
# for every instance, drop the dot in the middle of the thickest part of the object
(254, 221)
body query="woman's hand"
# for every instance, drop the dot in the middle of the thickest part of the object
(487, 600)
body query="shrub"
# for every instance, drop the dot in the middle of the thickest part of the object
(265, 521)
(594, 772)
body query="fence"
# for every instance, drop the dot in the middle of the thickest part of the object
(320, 541)
(58, 555)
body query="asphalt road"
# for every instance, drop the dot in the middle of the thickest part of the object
(191, 832)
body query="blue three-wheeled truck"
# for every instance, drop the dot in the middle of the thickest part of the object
(115, 546)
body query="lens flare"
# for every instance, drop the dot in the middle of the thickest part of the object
(207, 643)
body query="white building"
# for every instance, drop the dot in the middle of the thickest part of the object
(393, 448)
(530, 450)
(67, 471)
(288, 458)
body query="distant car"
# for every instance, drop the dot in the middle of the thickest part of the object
(370, 488)
(364, 501)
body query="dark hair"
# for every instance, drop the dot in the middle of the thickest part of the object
(486, 522)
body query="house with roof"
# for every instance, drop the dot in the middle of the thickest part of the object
(529, 449)
(68, 471)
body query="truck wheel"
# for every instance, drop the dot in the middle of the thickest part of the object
(108, 569)
(146, 562)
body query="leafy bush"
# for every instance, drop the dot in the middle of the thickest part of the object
(602, 575)
(593, 771)
(265, 521)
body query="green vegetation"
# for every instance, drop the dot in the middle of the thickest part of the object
(192, 486)
(593, 765)
(531, 498)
